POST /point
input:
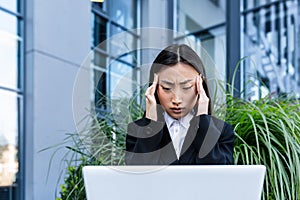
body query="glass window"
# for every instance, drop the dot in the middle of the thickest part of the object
(198, 15)
(9, 129)
(123, 12)
(9, 60)
(99, 59)
(121, 80)
(9, 51)
(100, 88)
(11, 5)
(115, 59)
(203, 27)
(269, 43)
(8, 23)
(115, 30)
(101, 5)
(11, 99)
(99, 31)
(249, 4)
(122, 43)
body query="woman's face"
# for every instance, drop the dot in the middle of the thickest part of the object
(177, 90)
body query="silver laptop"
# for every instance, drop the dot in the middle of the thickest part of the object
(217, 182)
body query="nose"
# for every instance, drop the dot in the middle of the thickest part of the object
(177, 99)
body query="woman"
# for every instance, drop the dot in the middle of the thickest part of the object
(177, 127)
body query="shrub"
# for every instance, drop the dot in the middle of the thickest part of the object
(267, 133)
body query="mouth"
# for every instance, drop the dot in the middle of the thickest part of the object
(177, 110)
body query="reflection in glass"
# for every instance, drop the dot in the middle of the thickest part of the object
(9, 51)
(9, 106)
(116, 58)
(123, 12)
(121, 80)
(270, 44)
(99, 31)
(249, 4)
(99, 59)
(11, 5)
(121, 43)
(114, 82)
(198, 15)
(100, 88)
(8, 23)
(101, 5)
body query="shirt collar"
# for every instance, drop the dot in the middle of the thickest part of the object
(184, 121)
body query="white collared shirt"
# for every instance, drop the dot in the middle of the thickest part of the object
(178, 129)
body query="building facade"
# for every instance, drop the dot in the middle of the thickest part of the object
(44, 44)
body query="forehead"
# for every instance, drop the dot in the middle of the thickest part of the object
(178, 71)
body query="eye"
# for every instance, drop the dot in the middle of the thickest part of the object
(187, 88)
(165, 88)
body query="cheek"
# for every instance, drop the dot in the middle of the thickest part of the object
(191, 97)
(162, 96)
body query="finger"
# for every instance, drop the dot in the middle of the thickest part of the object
(202, 91)
(148, 98)
(197, 84)
(149, 92)
(155, 80)
(152, 88)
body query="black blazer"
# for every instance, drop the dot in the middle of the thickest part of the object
(208, 141)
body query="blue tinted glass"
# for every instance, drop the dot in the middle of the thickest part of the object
(122, 43)
(249, 4)
(9, 106)
(197, 15)
(99, 32)
(123, 12)
(11, 5)
(8, 23)
(99, 60)
(9, 51)
(121, 81)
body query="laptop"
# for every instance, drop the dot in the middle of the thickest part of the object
(192, 182)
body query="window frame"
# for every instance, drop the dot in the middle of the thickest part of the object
(16, 191)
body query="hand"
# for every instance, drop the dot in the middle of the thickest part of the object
(203, 100)
(151, 112)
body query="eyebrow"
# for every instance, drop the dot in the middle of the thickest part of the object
(172, 83)
(186, 81)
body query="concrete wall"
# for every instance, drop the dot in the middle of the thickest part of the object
(58, 39)
(58, 35)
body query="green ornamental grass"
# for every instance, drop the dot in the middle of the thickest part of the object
(267, 133)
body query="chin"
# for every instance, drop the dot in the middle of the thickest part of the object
(177, 116)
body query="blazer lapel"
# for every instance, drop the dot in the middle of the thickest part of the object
(168, 154)
(203, 137)
(189, 139)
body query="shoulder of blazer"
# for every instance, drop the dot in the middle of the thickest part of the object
(145, 127)
(204, 121)
(211, 130)
(224, 127)
(220, 123)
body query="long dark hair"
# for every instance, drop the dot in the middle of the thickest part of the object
(174, 54)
